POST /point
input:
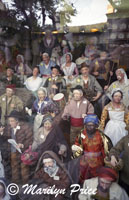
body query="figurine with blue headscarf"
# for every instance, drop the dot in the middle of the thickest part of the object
(90, 145)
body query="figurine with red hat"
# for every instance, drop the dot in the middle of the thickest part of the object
(103, 187)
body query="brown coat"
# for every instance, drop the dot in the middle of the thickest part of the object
(64, 177)
(23, 136)
(122, 150)
(62, 183)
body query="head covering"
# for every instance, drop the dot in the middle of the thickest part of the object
(91, 118)
(10, 68)
(47, 160)
(77, 87)
(54, 156)
(11, 86)
(48, 154)
(71, 57)
(43, 89)
(45, 54)
(15, 114)
(108, 174)
(47, 117)
(56, 67)
(125, 75)
(21, 56)
(115, 90)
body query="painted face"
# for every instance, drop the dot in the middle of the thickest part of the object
(55, 72)
(49, 163)
(85, 71)
(41, 95)
(119, 75)
(77, 95)
(48, 125)
(68, 58)
(117, 97)
(35, 71)
(103, 55)
(9, 72)
(13, 122)
(9, 92)
(104, 184)
(50, 166)
(19, 60)
(45, 59)
(90, 127)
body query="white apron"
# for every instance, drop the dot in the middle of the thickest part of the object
(115, 128)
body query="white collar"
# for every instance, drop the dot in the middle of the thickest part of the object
(17, 127)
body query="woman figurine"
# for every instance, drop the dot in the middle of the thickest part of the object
(41, 106)
(50, 137)
(69, 68)
(118, 118)
(22, 69)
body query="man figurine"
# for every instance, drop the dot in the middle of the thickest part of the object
(100, 68)
(45, 66)
(51, 172)
(90, 143)
(22, 135)
(89, 84)
(103, 187)
(121, 150)
(55, 84)
(10, 78)
(77, 109)
(9, 102)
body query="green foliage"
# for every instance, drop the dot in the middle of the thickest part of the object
(66, 12)
(32, 13)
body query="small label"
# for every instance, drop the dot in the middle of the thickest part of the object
(56, 178)
(42, 136)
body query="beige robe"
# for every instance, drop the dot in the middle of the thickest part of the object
(115, 191)
(15, 103)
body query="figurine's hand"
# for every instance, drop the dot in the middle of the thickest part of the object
(20, 146)
(113, 161)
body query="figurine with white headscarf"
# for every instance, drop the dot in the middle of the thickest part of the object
(122, 83)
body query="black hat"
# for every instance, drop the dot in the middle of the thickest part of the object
(57, 67)
(15, 114)
(78, 87)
